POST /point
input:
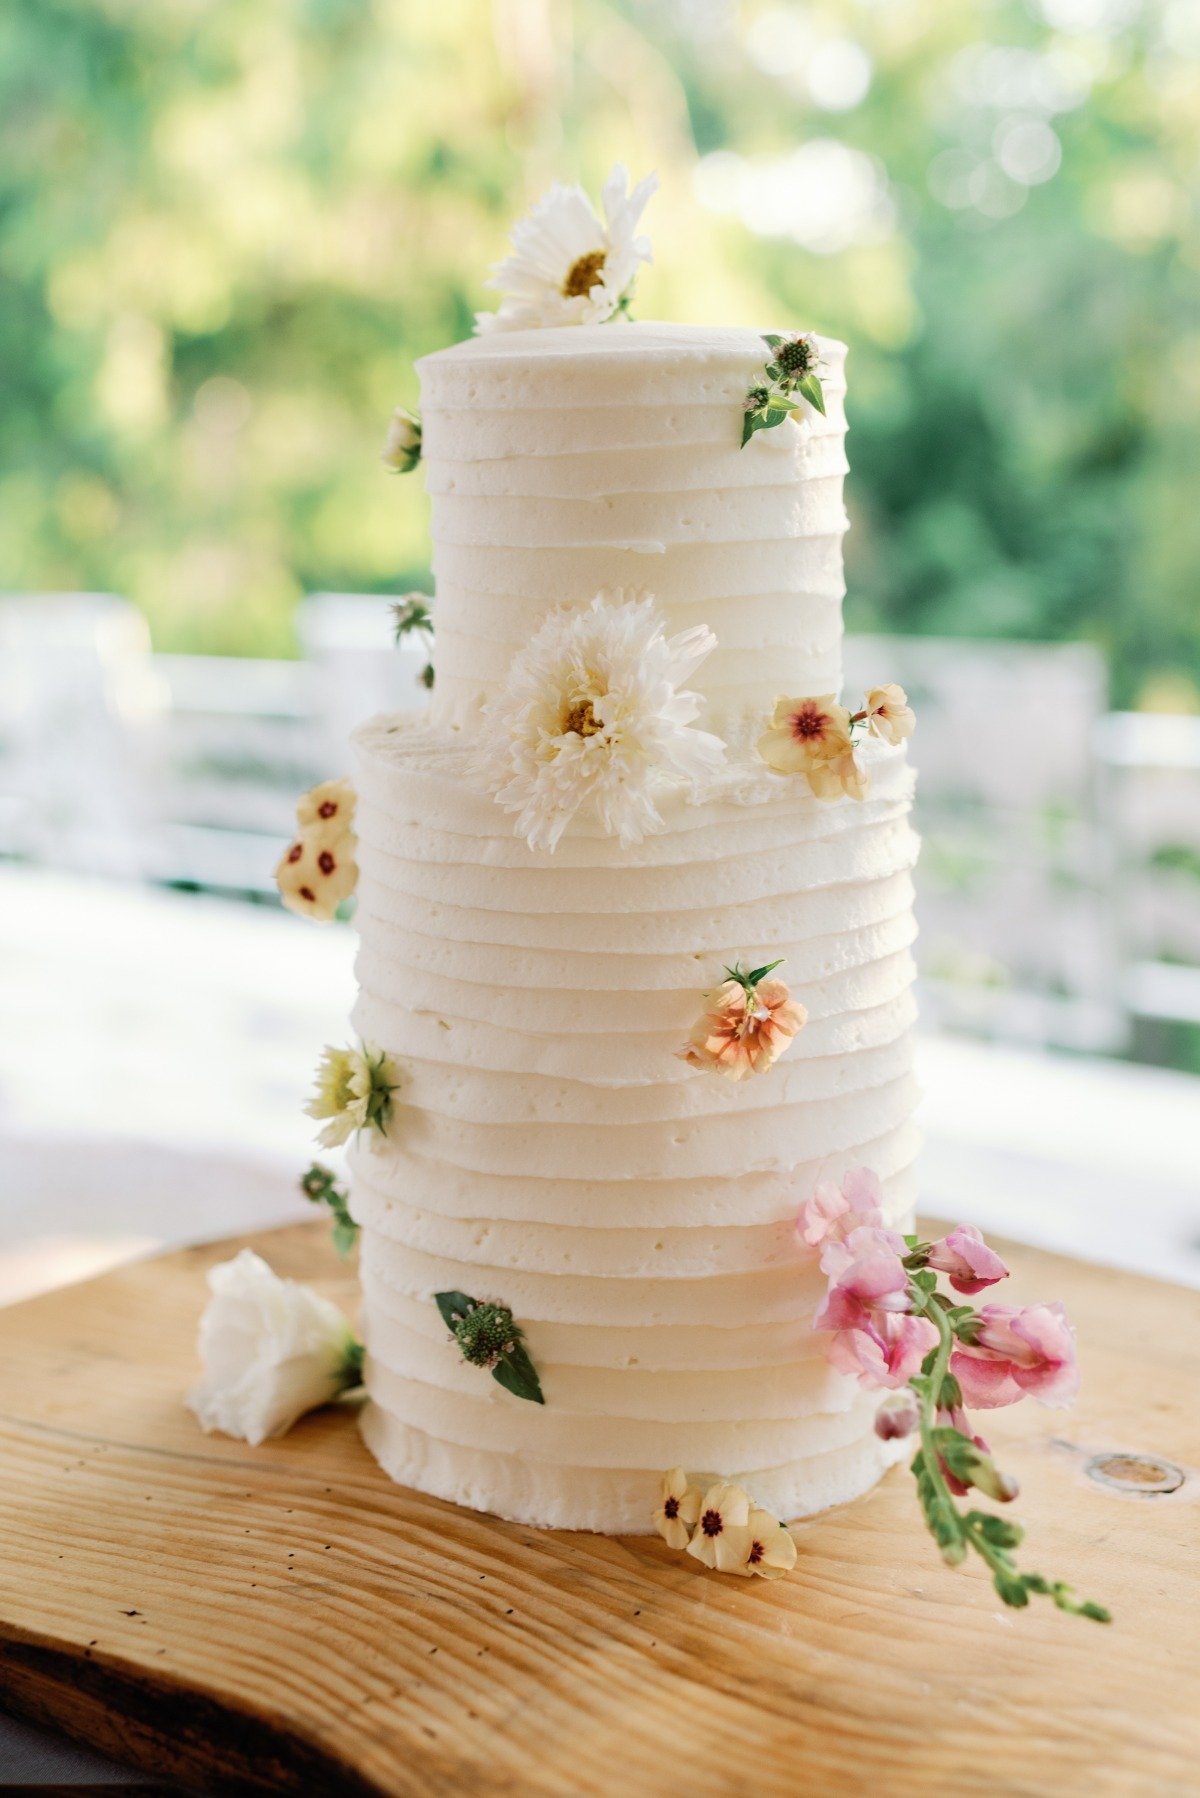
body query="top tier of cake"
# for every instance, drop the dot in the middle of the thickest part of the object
(565, 461)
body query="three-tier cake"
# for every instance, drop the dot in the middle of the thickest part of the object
(549, 1149)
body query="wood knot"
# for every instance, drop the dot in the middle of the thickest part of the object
(1145, 1475)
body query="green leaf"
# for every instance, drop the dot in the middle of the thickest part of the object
(1011, 1588)
(752, 979)
(517, 1374)
(453, 1306)
(772, 340)
(999, 1531)
(951, 1393)
(810, 387)
(352, 1366)
(345, 1235)
(958, 1452)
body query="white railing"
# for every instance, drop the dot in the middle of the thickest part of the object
(1059, 885)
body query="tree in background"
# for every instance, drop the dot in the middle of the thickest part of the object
(227, 227)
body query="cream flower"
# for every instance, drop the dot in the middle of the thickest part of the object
(746, 1028)
(679, 1511)
(591, 715)
(770, 1552)
(889, 714)
(271, 1350)
(568, 266)
(314, 874)
(354, 1091)
(318, 869)
(845, 774)
(328, 807)
(814, 737)
(722, 1538)
(402, 446)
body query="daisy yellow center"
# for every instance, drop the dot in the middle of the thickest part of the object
(712, 1523)
(583, 275)
(581, 719)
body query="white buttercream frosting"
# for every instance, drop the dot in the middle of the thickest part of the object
(564, 461)
(547, 1149)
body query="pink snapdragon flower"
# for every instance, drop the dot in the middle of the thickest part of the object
(833, 1211)
(967, 1261)
(885, 1350)
(866, 1276)
(1018, 1352)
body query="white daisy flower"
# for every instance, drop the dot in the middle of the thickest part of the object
(591, 714)
(568, 266)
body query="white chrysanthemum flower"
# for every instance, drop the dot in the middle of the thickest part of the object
(591, 714)
(568, 266)
(271, 1350)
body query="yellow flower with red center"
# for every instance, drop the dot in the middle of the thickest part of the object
(721, 1538)
(749, 1022)
(318, 869)
(770, 1550)
(679, 1509)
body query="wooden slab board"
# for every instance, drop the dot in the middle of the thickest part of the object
(286, 1619)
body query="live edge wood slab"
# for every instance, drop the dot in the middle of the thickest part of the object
(285, 1619)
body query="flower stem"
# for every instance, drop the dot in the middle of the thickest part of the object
(991, 1537)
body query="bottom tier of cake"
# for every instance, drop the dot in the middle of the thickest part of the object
(609, 1500)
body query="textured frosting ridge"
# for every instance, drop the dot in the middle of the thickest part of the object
(548, 1150)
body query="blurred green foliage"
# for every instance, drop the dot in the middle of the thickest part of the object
(227, 227)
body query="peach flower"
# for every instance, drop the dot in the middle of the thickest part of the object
(749, 1023)
(889, 714)
(814, 737)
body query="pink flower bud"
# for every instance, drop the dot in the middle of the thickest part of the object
(898, 1415)
(967, 1260)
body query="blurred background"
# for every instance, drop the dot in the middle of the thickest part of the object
(228, 227)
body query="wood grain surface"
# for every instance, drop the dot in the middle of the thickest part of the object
(285, 1619)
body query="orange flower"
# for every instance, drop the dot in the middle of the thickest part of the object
(748, 1025)
(889, 714)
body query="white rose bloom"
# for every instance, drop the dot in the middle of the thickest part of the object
(569, 266)
(271, 1350)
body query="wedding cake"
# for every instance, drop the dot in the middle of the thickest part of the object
(575, 866)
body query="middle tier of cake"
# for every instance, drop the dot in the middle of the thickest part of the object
(549, 1151)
